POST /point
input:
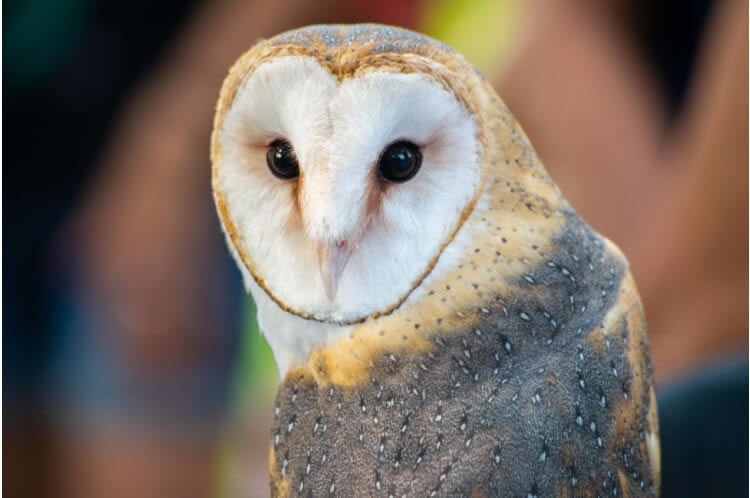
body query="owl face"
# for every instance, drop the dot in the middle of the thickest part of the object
(339, 194)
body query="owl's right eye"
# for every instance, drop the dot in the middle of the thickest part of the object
(281, 160)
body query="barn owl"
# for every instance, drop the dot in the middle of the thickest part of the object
(443, 322)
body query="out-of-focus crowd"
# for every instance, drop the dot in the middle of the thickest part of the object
(132, 365)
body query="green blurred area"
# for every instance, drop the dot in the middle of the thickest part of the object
(482, 30)
(252, 392)
(256, 375)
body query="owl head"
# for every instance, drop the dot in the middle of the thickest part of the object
(345, 160)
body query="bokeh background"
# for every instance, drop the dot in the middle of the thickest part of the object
(132, 364)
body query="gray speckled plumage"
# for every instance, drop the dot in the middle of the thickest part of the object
(385, 39)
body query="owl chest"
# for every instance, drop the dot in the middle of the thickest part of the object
(402, 434)
(500, 421)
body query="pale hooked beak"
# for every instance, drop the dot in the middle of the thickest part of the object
(332, 258)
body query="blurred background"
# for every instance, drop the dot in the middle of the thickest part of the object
(132, 364)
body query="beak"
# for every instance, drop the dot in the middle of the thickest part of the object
(332, 259)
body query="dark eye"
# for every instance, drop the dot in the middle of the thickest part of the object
(281, 160)
(400, 161)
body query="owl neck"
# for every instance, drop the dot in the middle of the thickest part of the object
(290, 337)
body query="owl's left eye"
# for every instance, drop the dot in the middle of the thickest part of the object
(400, 161)
(281, 160)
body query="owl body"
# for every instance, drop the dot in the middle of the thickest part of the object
(468, 333)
